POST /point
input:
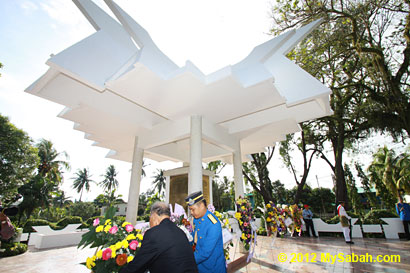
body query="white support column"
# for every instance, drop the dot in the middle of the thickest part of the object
(167, 188)
(135, 183)
(211, 198)
(237, 171)
(195, 164)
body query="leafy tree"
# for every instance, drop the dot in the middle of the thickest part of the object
(366, 185)
(37, 193)
(378, 32)
(101, 200)
(279, 193)
(159, 181)
(18, 158)
(1, 66)
(257, 174)
(328, 55)
(110, 181)
(352, 192)
(50, 166)
(306, 149)
(84, 209)
(82, 180)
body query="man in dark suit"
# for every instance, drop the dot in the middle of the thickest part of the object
(165, 247)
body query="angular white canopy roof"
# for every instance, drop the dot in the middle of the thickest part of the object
(116, 84)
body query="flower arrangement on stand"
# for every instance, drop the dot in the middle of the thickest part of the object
(282, 215)
(116, 243)
(244, 216)
(296, 213)
(271, 218)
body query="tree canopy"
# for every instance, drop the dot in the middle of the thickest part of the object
(18, 158)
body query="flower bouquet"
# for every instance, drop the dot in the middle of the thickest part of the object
(244, 216)
(271, 217)
(116, 243)
(296, 213)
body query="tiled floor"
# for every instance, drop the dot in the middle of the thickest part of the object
(265, 258)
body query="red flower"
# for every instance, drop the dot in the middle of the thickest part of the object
(121, 259)
(107, 254)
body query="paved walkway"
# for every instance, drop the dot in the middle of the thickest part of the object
(265, 259)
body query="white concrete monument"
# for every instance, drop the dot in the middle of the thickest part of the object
(127, 96)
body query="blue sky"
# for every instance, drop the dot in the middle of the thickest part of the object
(211, 34)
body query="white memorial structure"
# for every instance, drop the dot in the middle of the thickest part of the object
(127, 96)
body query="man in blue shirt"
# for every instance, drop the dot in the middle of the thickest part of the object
(403, 210)
(207, 234)
(307, 218)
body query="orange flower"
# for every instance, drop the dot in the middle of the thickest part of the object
(121, 259)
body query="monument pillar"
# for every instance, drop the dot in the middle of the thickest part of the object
(135, 183)
(237, 171)
(195, 164)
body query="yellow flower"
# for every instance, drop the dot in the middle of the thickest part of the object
(94, 258)
(130, 237)
(118, 245)
(99, 254)
(114, 251)
(240, 222)
(125, 223)
(107, 228)
(268, 219)
(130, 258)
(139, 236)
(107, 222)
(217, 214)
(268, 206)
(238, 215)
(243, 208)
(99, 228)
(124, 244)
(243, 236)
(90, 263)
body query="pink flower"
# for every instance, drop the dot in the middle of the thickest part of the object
(96, 222)
(129, 228)
(113, 229)
(133, 244)
(245, 224)
(107, 254)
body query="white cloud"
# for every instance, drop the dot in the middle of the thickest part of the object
(28, 7)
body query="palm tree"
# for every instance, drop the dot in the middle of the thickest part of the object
(50, 167)
(391, 170)
(159, 181)
(110, 182)
(82, 180)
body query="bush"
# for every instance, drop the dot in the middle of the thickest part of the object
(37, 222)
(13, 249)
(373, 216)
(69, 220)
(84, 209)
(119, 219)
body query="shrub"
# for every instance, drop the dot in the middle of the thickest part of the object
(119, 219)
(69, 220)
(13, 249)
(84, 209)
(37, 222)
(373, 216)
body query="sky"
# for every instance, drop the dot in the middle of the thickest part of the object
(212, 34)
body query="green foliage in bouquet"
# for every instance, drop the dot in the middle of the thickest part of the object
(116, 243)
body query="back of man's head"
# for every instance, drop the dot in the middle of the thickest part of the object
(161, 209)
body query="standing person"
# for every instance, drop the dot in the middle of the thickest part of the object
(207, 234)
(165, 247)
(307, 218)
(403, 210)
(344, 221)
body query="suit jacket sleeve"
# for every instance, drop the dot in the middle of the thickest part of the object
(214, 234)
(145, 255)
